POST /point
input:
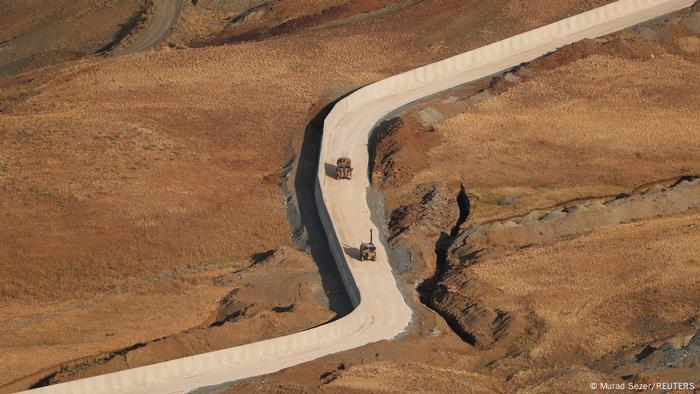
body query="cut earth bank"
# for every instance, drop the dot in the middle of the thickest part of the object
(554, 226)
(139, 192)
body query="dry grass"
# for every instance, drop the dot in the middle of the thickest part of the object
(408, 377)
(36, 336)
(118, 170)
(602, 291)
(598, 126)
(599, 118)
(36, 33)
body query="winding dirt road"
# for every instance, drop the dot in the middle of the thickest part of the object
(381, 312)
(165, 15)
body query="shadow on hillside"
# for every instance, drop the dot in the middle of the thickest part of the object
(304, 188)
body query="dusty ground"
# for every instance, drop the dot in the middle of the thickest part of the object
(552, 293)
(558, 214)
(252, 307)
(129, 184)
(604, 145)
(37, 33)
(615, 300)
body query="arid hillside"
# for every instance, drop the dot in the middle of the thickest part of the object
(552, 219)
(132, 184)
(37, 33)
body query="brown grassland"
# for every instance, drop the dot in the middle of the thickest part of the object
(138, 194)
(128, 184)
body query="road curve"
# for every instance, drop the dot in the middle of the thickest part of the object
(165, 14)
(381, 312)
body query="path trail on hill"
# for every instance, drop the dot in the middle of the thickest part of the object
(381, 312)
(165, 15)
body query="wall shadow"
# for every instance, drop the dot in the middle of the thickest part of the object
(353, 252)
(304, 189)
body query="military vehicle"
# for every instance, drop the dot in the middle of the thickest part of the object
(343, 168)
(367, 249)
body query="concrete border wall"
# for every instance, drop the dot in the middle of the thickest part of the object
(481, 62)
(512, 51)
(335, 247)
(366, 323)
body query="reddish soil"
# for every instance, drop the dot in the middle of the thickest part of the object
(129, 185)
(37, 33)
(538, 229)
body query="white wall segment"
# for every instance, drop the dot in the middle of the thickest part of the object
(381, 312)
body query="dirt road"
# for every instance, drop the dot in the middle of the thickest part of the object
(165, 15)
(381, 312)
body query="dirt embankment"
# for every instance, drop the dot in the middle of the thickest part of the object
(486, 322)
(567, 288)
(224, 22)
(128, 184)
(523, 201)
(255, 307)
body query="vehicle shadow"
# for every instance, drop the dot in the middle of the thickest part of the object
(331, 170)
(315, 236)
(353, 252)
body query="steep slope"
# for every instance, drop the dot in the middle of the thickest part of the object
(632, 284)
(37, 33)
(127, 176)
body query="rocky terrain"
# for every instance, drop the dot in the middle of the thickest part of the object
(573, 285)
(560, 205)
(150, 210)
(552, 226)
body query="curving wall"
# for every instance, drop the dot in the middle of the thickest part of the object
(381, 312)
